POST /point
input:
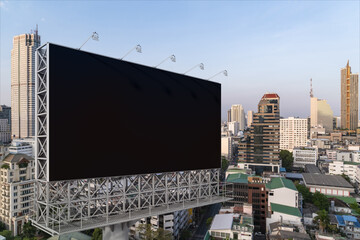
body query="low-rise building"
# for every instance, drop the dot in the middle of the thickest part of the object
(344, 155)
(349, 225)
(304, 155)
(347, 168)
(333, 185)
(279, 230)
(17, 188)
(282, 191)
(232, 226)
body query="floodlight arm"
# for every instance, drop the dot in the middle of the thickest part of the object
(94, 36)
(172, 57)
(200, 65)
(224, 72)
(138, 49)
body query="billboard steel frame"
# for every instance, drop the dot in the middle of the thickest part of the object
(76, 205)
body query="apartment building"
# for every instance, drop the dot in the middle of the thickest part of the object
(17, 187)
(304, 155)
(293, 133)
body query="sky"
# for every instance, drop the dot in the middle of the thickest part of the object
(266, 46)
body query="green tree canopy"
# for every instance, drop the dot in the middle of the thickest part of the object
(97, 234)
(305, 192)
(29, 230)
(320, 201)
(346, 177)
(322, 219)
(224, 164)
(286, 159)
(209, 221)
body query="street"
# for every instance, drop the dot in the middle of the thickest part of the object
(201, 230)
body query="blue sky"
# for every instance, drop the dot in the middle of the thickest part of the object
(266, 46)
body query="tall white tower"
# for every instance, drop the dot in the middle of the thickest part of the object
(23, 85)
(238, 115)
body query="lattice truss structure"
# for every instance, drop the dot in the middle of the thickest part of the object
(74, 205)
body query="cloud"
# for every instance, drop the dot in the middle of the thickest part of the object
(3, 5)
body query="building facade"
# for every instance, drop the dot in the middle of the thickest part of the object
(23, 85)
(17, 188)
(238, 115)
(347, 168)
(261, 147)
(250, 115)
(349, 98)
(5, 134)
(293, 133)
(304, 155)
(321, 114)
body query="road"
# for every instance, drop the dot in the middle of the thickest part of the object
(201, 230)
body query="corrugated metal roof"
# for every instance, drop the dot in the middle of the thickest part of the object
(280, 183)
(285, 209)
(325, 180)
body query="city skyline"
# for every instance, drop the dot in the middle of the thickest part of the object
(263, 47)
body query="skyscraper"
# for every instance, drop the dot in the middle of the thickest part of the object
(321, 114)
(349, 98)
(23, 85)
(260, 149)
(238, 115)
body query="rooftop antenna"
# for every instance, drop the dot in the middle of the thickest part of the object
(311, 89)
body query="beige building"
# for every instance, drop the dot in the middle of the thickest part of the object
(238, 115)
(23, 85)
(293, 133)
(349, 98)
(250, 115)
(321, 114)
(17, 188)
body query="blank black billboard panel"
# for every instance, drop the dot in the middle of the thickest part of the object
(109, 117)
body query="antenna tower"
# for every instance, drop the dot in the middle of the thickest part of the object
(311, 89)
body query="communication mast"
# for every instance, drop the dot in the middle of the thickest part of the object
(311, 89)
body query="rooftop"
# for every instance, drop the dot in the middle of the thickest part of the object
(347, 200)
(311, 168)
(15, 158)
(222, 222)
(351, 163)
(285, 209)
(294, 175)
(270, 95)
(280, 183)
(326, 180)
(237, 178)
(347, 218)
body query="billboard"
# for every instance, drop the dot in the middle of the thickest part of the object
(109, 117)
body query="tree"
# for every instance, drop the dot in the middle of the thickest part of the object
(286, 159)
(322, 219)
(209, 221)
(305, 192)
(185, 235)
(224, 164)
(346, 177)
(2, 226)
(320, 201)
(97, 234)
(162, 234)
(29, 230)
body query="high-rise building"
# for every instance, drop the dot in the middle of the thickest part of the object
(321, 114)
(261, 148)
(238, 115)
(349, 98)
(229, 115)
(293, 133)
(249, 118)
(23, 85)
(5, 124)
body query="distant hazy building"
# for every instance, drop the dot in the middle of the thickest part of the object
(349, 98)
(234, 127)
(337, 122)
(238, 115)
(261, 148)
(321, 114)
(5, 124)
(5, 134)
(293, 133)
(23, 85)
(226, 147)
(249, 118)
(229, 115)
